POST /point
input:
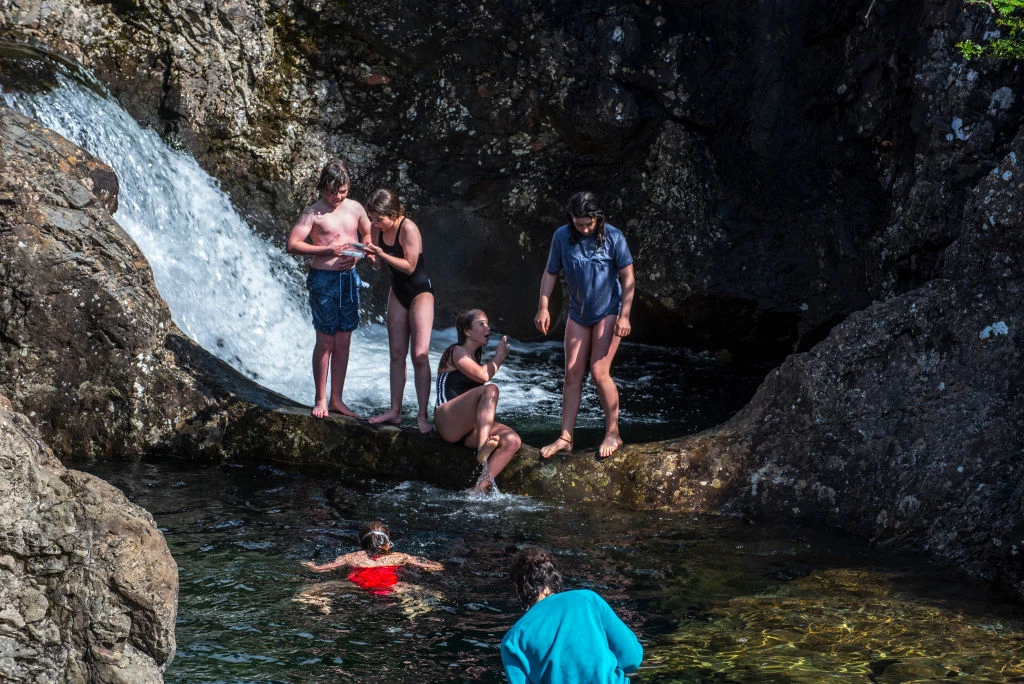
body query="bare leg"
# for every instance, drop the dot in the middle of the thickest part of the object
(398, 348)
(421, 324)
(339, 368)
(508, 444)
(604, 344)
(468, 417)
(322, 352)
(577, 350)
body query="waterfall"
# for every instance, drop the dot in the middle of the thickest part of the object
(236, 294)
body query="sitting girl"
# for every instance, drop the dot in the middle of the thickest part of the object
(466, 401)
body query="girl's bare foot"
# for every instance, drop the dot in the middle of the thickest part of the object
(426, 427)
(486, 449)
(563, 443)
(391, 417)
(339, 407)
(320, 410)
(610, 445)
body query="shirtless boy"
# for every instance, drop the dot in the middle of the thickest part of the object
(327, 228)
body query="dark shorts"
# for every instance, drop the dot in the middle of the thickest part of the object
(334, 299)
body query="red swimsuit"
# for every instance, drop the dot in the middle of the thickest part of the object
(377, 579)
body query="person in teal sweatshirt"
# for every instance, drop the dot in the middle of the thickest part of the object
(564, 637)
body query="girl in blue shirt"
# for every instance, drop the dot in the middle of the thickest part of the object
(598, 270)
(565, 637)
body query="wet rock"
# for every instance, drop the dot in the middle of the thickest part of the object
(88, 587)
(739, 149)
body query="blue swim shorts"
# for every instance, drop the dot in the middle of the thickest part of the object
(334, 299)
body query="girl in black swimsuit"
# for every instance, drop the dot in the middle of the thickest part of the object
(466, 402)
(396, 241)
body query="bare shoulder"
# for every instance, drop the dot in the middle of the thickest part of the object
(354, 207)
(318, 207)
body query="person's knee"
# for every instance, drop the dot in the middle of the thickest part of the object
(574, 376)
(421, 360)
(513, 441)
(600, 373)
(491, 392)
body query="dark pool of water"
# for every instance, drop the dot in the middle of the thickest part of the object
(663, 393)
(712, 599)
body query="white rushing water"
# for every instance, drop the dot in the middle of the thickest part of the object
(234, 293)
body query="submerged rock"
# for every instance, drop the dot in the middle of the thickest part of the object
(88, 587)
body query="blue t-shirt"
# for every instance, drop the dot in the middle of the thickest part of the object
(591, 274)
(573, 637)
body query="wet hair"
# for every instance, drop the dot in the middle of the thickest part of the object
(533, 570)
(374, 539)
(334, 177)
(385, 202)
(463, 322)
(584, 205)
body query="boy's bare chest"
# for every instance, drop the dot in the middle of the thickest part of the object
(335, 223)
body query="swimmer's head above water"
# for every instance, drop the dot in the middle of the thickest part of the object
(374, 539)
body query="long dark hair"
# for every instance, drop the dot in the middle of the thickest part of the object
(334, 176)
(385, 202)
(374, 539)
(584, 205)
(533, 570)
(463, 322)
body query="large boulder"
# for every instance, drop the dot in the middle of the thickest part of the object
(88, 588)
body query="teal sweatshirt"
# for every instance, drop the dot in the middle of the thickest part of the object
(568, 638)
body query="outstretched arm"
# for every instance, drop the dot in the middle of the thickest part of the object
(339, 562)
(426, 564)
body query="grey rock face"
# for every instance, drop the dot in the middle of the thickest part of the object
(88, 587)
(739, 149)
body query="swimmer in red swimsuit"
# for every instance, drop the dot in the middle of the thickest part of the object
(375, 565)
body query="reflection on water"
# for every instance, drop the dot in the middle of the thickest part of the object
(712, 599)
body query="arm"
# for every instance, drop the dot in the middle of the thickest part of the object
(515, 666)
(298, 239)
(543, 318)
(339, 562)
(412, 247)
(622, 327)
(621, 640)
(475, 371)
(363, 229)
(432, 566)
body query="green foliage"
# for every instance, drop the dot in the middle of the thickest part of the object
(1010, 44)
